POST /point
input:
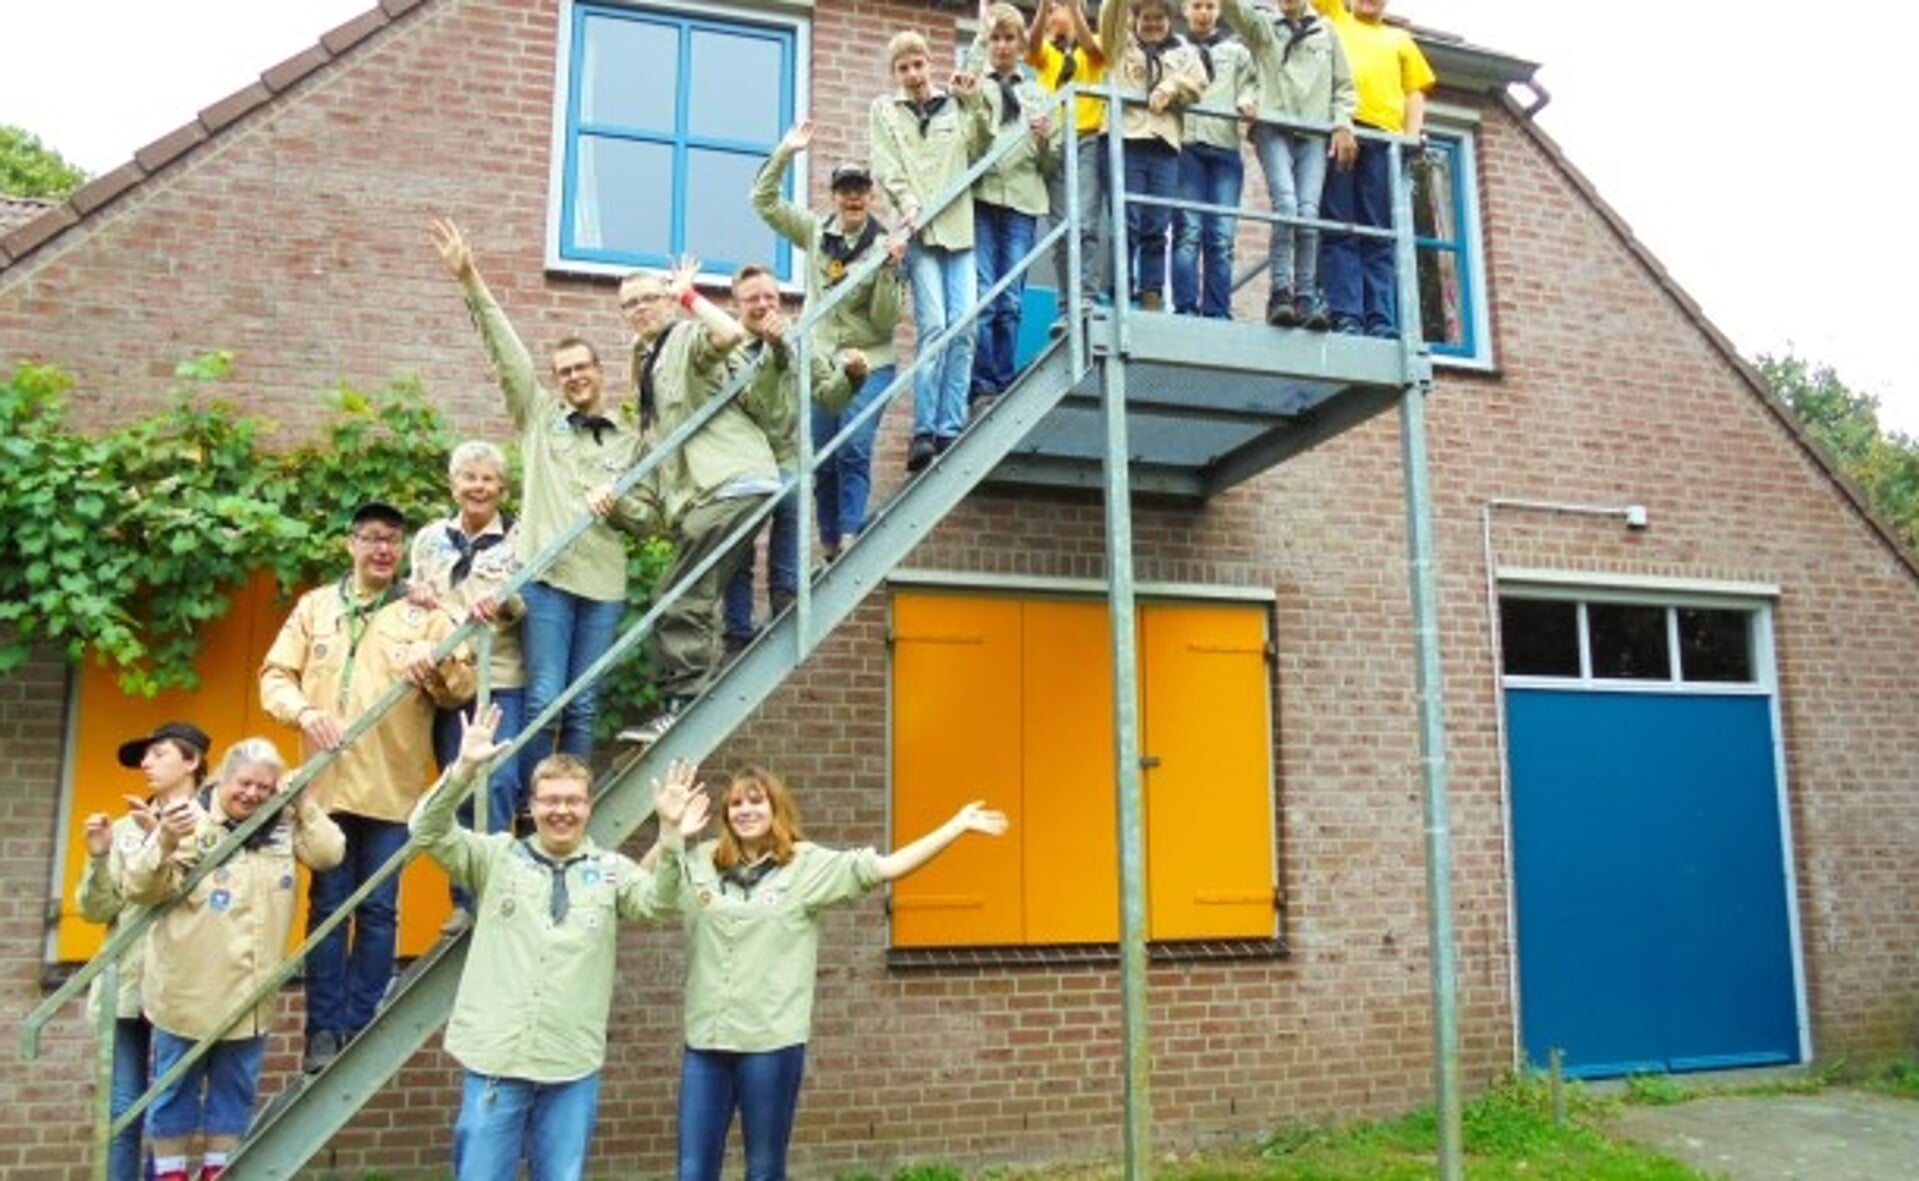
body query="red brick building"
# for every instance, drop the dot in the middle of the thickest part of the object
(1666, 732)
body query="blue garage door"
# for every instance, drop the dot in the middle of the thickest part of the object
(1653, 923)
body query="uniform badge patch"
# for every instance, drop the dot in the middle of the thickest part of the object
(706, 897)
(220, 900)
(286, 881)
(319, 649)
(507, 907)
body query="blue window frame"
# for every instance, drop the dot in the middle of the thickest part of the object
(668, 117)
(1452, 307)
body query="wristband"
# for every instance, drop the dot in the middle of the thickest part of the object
(688, 297)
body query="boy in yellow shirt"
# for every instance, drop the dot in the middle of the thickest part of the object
(1062, 47)
(1392, 78)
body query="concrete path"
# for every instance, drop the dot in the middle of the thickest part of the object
(1836, 1135)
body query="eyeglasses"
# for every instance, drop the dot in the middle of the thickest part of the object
(635, 302)
(379, 540)
(570, 370)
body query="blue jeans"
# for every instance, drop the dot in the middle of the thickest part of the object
(1295, 168)
(764, 1088)
(345, 985)
(564, 633)
(843, 481)
(1152, 170)
(1203, 242)
(132, 1073)
(1002, 237)
(503, 799)
(1359, 272)
(216, 1093)
(945, 288)
(783, 574)
(506, 1120)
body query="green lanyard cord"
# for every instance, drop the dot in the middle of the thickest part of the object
(358, 617)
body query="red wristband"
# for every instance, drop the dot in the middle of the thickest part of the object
(687, 297)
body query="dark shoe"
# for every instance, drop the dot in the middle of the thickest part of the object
(1381, 331)
(1312, 312)
(654, 728)
(1347, 326)
(1152, 301)
(731, 646)
(778, 600)
(920, 453)
(323, 1046)
(944, 443)
(1279, 309)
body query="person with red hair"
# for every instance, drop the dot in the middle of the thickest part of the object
(751, 902)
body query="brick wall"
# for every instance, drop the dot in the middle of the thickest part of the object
(296, 239)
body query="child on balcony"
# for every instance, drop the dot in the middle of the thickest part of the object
(1062, 48)
(1210, 169)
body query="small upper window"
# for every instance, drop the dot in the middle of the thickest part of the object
(1451, 306)
(1628, 642)
(1567, 639)
(1539, 637)
(668, 117)
(1715, 645)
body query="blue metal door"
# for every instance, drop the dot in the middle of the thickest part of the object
(1650, 880)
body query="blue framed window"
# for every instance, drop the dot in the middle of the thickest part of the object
(668, 116)
(1445, 216)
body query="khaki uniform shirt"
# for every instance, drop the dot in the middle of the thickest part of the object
(435, 555)
(101, 898)
(915, 160)
(773, 400)
(1018, 181)
(1233, 80)
(534, 997)
(728, 454)
(864, 320)
(226, 937)
(1302, 67)
(1182, 79)
(559, 464)
(751, 957)
(317, 661)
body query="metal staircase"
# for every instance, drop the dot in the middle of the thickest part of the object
(1196, 406)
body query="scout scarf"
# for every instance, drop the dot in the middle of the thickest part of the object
(470, 548)
(649, 404)
(744, 877)
(262, 836)
(926, 111)
(1155, 69)
(1068, 62)
(580, 420)
(1205, 46)
(1009, 108)
(841, 251)
(358, 616)
(558, 901)
(1296, 31)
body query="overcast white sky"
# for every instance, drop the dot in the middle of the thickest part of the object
(1719, 131)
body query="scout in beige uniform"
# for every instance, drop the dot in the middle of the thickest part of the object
(216, 945)
(529, 1020)
(174, 760)
(339, 652)
(570, 443)
(1210, 170)
(751, 904)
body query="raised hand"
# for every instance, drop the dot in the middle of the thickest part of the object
(680, 279)
(452, 245)
(177, 822)
(977, 817)
(477, 748)
(673, 795)
(965, 84)
(694, 818)
(99, 832)
(797, 139)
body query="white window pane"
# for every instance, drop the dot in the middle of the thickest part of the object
(623, 196)
(735, 88)
(720, 226)
(630, 74)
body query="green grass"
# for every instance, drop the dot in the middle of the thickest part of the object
(1898, 1077)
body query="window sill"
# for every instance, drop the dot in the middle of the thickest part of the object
(1052, 956)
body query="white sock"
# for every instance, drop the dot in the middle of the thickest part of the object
(217, 1159)
(170, 1164)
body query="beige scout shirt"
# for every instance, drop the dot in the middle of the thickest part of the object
(866, 318)
(101, 898)
(1018, 181)
(230, 933)
(335, 657)
(1233, 81)
(559, 464)
(1181, 78)
(534, 996)
(918, 154)
(435, 554)
(751, 956)
(728, 455)
(773, 400)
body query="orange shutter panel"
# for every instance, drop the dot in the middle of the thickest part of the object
(956, 738)
(1206, 735)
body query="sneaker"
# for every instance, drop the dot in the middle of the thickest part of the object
(1312, 312)
(944, 443)
(654, 728)
(1279, 309)
(977, 409)
(459, 920)
(920, 453)
(323, 1046)
(1347, 326)
(731, 646)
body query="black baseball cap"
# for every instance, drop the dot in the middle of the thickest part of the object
(851, 175)
(381, 511)
(133, 751)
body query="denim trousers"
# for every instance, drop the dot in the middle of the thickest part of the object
(1091, 158)
(764, 1088)
(1002, 237)
(214, 1096)
(503, 796)
(1152, 170)
(844, 480)
(132, 1074)
(1295, 168)
(1359, 272)
(348, 971)
(563, 634)
(506, 1120)
(1203, 242)
(783, 568)
(945, 288)
(686, 640)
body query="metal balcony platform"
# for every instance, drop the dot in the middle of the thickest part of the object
(1211, 403)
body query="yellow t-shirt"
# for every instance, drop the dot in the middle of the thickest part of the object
(1089, 113)
(1386, 61)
